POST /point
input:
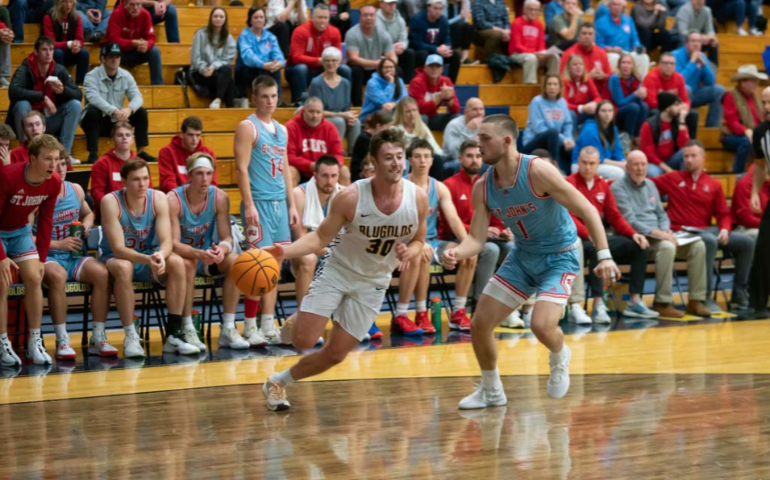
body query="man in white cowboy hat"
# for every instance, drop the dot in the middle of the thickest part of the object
(741, 113)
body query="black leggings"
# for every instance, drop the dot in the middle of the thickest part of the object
(759, 279)
(462, 35)
(624, 251)
(220, 84)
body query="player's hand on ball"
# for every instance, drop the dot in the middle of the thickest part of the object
(6, 267)
(276, 251)
(608, 271)
(158, 263)
(449, 258)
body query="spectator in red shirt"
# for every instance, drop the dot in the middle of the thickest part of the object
(33, 125)
(665, 78)
(130, 26)
(308, 42)
(595, 59)
(310, 137)
(580, 91)
(693, 199)
(663, 138)
(432, 90)
(626, 246)
(172, 159)
(744, 219)
(527, 45)
(460, 188)
(740, 115)
(64, 26)
(105, 173)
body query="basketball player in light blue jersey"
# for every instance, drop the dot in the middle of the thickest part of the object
(137, 245)
(267, 203)
(416, 279)
(532, 198)
(197, 210)
(67, 261)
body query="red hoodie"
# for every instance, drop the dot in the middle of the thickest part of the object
(596, 57)
(655, 83)
(307, 44)
(122, 29)
(667, 146)
(172, 163)
(40, 83)
(693, 203)
(421, 90)
(603, 200)
(578, 93)
(105, 176)
(307, 144)
(20, 154)
(526, 36)
(741, 206)
(49, 32)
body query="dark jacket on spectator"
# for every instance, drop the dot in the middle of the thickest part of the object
(424, 35)
(28, 84)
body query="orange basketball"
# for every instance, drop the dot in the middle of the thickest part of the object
(255, 273)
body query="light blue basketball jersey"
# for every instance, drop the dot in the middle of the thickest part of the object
(539, 224)
(138, 229)
(67, 210)
(197, 230)
(432, 219)
(266, 163)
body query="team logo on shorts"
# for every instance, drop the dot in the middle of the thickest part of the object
(566, 282)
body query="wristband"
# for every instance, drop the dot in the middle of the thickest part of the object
(604, 254)
(229, 245)
(69, 43)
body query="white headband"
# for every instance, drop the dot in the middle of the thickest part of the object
(203, 162)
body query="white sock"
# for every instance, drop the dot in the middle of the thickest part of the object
(98, 328)
(561, 352)
(129, 329)
(401, 308)
(186, 321)
(266, 320)
(250, 322)
(229, 320)
(490, 379)
(460, 303)
(3, 336)
(61, 330)
(421, 306)
(284, 377)
(34, 332)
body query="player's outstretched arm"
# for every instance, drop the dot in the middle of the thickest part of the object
(450, 212)
(181, 249)
(244, 138)
(473, 243)
(546, 180)
(114, 232)
(341, 211)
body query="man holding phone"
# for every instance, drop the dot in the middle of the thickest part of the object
(41, 84)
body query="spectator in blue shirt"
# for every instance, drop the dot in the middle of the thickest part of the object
(429, 33)
(493, 27)
(699, 78)
(549, 123)
(383, 90)
(617, 34)
(602, 134)
(628, 94)
(258, 54)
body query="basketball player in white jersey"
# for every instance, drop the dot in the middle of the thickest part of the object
(379, 224)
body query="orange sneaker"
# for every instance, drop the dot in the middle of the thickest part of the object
(422, 321)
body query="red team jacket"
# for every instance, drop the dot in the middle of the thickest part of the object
(307, 44)
(460, 188)
(105, 176)
(122, 29)
(603, 200)
(741, 205)
(306, 144)
(692, 203)
(422, 91)
(172, 163)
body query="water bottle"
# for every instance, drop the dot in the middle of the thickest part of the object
(435, 313)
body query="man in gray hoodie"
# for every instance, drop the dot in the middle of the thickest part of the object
(639, 202)
(392, 22)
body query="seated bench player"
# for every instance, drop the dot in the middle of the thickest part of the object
(416, 279)
(25, 187)
(198, 210)
(137, 246)
(312, 200)
(67, 261)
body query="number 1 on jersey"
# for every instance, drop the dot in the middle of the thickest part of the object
(522, 229)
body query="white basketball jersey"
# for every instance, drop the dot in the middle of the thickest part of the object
(367, 245)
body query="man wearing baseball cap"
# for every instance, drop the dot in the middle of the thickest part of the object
(432, 90)
(429, 33)
(102, 109)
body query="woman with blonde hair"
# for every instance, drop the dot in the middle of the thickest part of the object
(627, 93)
(579, 90)
(63, 25)
(407, 119)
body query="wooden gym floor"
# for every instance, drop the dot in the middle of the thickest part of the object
(648, 400)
